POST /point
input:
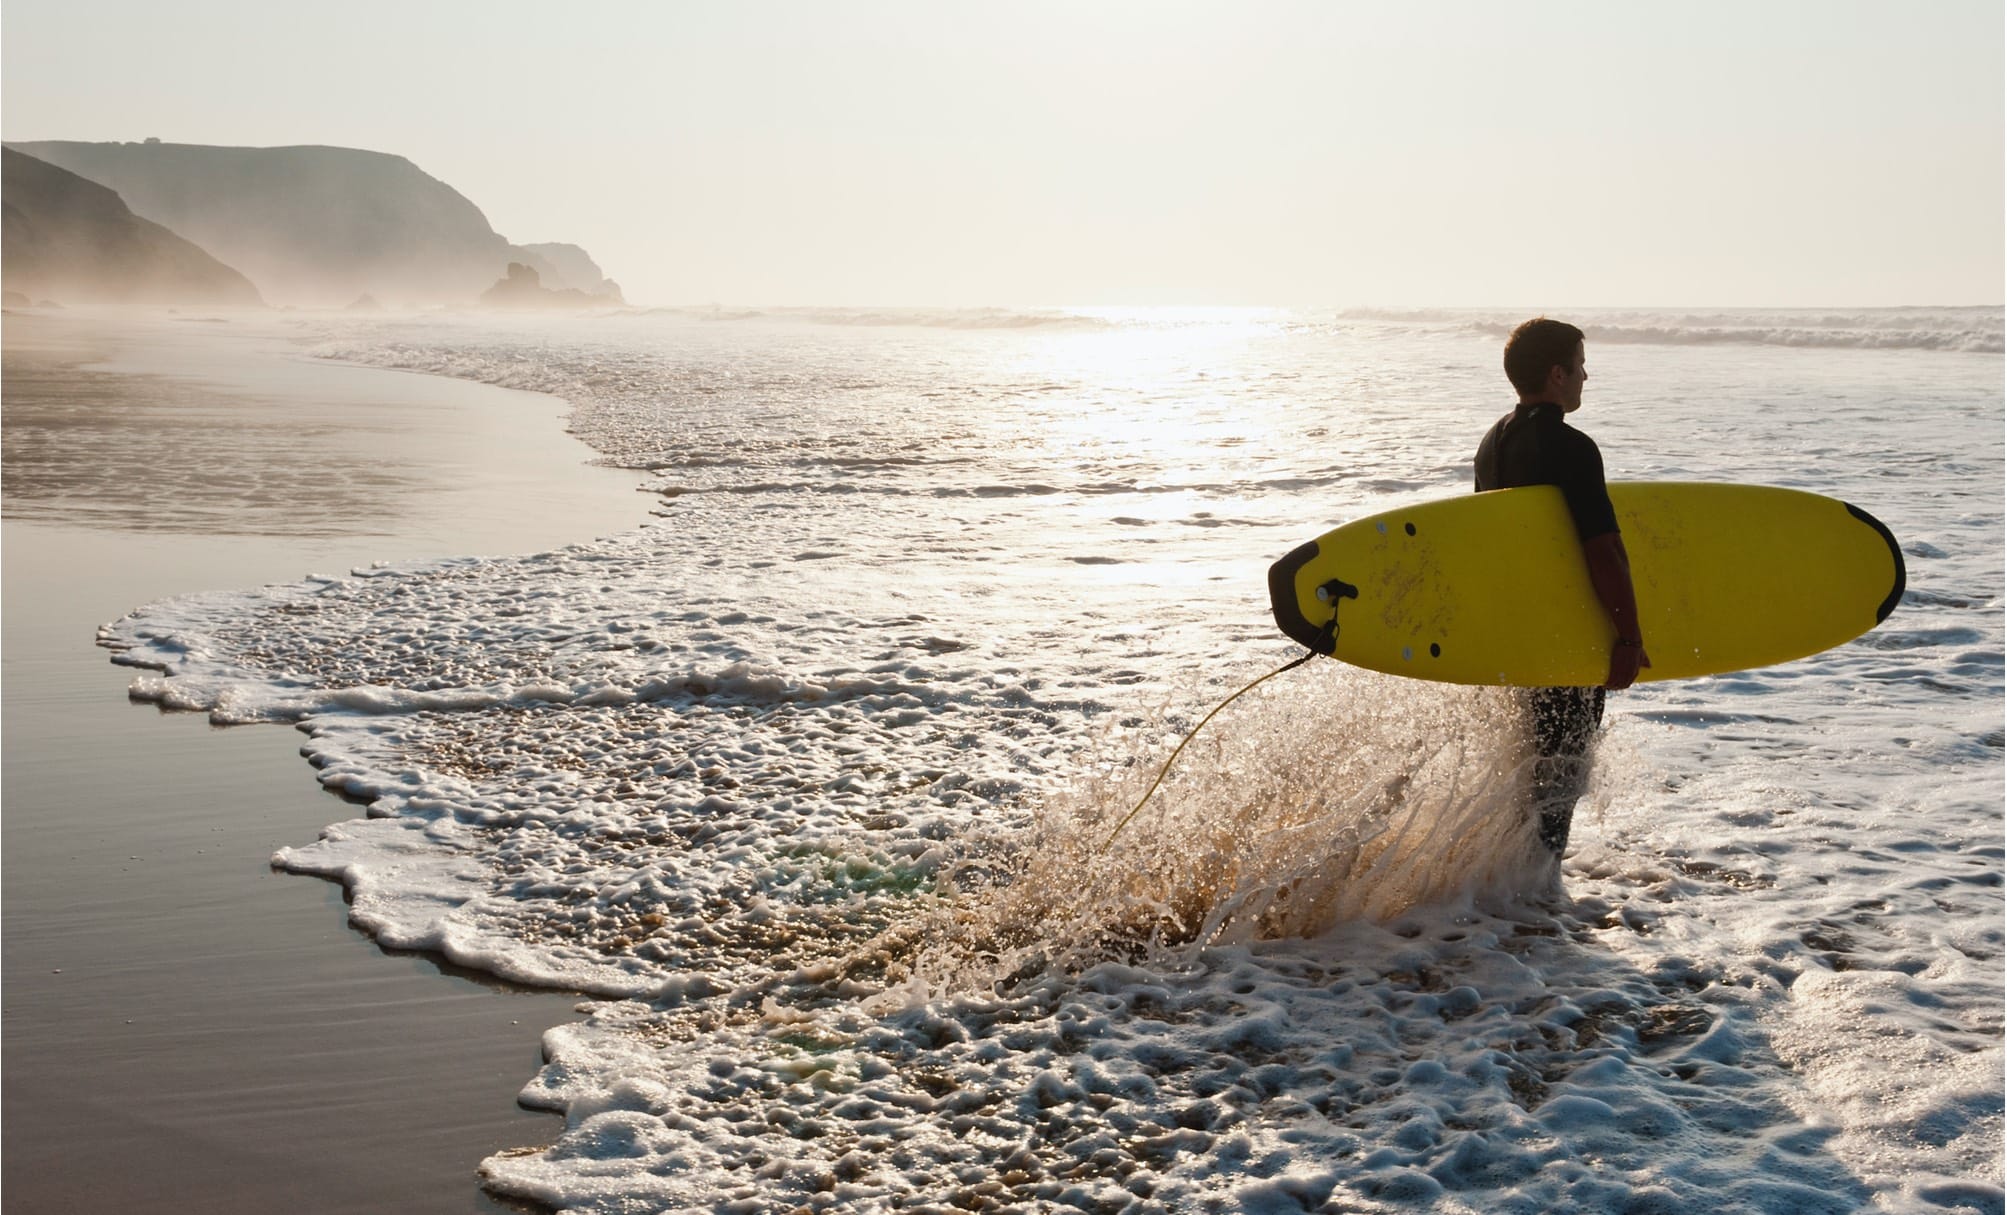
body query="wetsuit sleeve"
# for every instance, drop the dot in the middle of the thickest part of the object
(1581, 480)
(1485, 467)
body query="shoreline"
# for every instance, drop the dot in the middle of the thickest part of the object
(186, 1027)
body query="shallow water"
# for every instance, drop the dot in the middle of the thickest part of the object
(186, 1029)
(811, 777)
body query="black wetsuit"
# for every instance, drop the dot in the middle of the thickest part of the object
(1532, 445)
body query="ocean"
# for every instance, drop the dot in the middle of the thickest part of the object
(806, 782)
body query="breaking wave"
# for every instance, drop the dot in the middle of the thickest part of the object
(1969, 330)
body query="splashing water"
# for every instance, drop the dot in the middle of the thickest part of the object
(1339, 796)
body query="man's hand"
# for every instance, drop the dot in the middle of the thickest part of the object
(1627, 658)
(1610, 574)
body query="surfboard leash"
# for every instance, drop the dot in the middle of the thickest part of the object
(1323, 647)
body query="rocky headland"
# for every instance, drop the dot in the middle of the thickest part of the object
(319, 226)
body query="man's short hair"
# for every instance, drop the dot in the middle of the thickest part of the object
(1534, 348)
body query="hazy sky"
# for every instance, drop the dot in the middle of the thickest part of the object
(1750, 152)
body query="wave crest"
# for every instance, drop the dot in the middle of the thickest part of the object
(1979, 330)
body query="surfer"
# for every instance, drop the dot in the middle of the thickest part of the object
(1533, 445)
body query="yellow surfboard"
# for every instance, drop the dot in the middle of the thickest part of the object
(1492, 588)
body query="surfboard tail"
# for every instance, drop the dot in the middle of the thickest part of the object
(1288, 608)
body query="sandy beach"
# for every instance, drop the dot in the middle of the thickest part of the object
(185, 1028)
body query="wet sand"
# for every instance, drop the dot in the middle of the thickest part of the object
(184, 1028)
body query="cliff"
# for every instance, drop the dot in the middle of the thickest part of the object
(74, 241)
(310, 225)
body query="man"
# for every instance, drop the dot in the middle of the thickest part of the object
(1532, 445)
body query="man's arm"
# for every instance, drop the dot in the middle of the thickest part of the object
(1610, 574)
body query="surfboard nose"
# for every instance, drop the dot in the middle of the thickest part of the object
(1901, 580)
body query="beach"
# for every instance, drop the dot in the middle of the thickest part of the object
(751, 610)
(800, 773)
(185, 1028)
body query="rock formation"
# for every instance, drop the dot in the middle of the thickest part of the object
(561, 266)
(523, 288)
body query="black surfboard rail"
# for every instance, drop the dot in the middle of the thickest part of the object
(1895, 554)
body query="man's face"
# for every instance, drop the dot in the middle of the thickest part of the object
(1566, 382)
